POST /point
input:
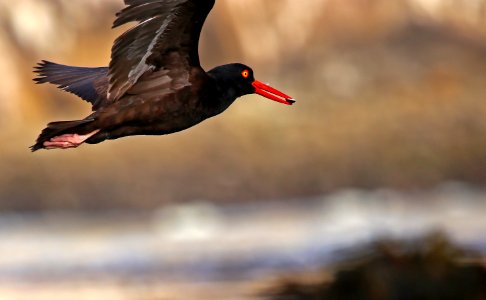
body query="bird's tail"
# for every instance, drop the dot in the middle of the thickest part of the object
(55, 129)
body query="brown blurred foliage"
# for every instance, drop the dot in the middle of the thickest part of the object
(428, 269)
(391, 93)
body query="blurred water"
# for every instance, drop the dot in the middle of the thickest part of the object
(202, 242)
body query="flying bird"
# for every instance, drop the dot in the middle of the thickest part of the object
(154, 84)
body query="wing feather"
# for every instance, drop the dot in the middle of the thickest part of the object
(87, 83)
(165, 27)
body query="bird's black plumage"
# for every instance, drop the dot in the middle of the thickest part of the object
(87, 83)
(165, 27)
(154, 83)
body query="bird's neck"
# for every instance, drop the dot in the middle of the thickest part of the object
(225, 93)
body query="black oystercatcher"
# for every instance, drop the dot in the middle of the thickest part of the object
(154, 84)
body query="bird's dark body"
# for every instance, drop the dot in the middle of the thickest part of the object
(154, 84)
(154, 114)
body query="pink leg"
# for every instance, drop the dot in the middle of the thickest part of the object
(66, 141)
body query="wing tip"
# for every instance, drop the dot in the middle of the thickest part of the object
(39, 70)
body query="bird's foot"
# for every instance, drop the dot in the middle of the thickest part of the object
(67, 141)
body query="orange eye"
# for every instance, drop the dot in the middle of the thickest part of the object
(245, 74)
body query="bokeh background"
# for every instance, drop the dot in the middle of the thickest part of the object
(387, 140)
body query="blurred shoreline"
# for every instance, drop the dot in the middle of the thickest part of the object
(191, 240)
(223, 251)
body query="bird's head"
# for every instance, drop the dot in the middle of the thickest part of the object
(239, 80)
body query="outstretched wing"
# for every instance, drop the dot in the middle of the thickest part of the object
(89, 84)
(168, 30)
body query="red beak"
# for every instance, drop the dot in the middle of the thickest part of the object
(271, 93)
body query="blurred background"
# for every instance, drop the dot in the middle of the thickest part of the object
(378, 171)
